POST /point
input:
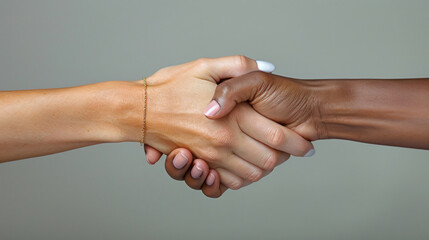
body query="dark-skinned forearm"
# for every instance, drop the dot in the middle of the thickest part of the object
(389, 112)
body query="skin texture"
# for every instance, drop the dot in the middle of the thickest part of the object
(239, 150)
(287, 101)
(380, 111)
(41, 122)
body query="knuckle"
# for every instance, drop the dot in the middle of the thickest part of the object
(225, 89)
(270, 161)
(243, 62)
(237, 184)
(276, 137)
(202, 63)
(261, 76)
(255, 175)
(211, 155)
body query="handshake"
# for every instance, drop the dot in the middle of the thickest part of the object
(235, 118)
(224, 122)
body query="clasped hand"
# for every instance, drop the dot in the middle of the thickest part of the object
(190, 117)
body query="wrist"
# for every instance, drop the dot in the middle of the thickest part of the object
(343, 107)
(331, 100)
(117, 110)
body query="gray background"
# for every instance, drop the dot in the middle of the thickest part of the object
(347, 191)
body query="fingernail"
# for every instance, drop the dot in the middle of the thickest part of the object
(212, 109)
(265, 66)
(196, 172)
(210, 179)
(180, 161)
(310, 153)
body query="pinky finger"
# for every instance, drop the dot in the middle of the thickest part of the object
(152, 155)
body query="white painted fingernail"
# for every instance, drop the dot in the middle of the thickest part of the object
(310, 153)
(265, 66)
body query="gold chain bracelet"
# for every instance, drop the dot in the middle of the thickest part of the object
(144, 111)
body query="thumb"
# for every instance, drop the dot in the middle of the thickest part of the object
(233, 91)
(231, 66)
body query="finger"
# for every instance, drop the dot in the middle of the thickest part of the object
(152, 155)
(243, 168)
(229, 179)
(234, 91)
(231, 66)
(280, 162)
(196, 177)
(271, 133)
(258, 153)
(215, 189)
(178, 162)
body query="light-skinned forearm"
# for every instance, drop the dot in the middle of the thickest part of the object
(40, 122)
